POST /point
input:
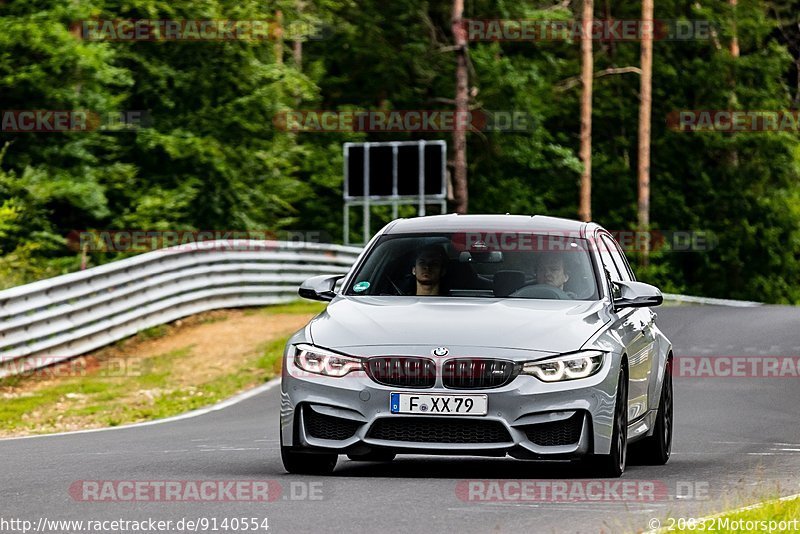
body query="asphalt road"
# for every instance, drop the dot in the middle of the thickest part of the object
(736, 440)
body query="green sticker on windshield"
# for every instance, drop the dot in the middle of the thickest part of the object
(361, 286)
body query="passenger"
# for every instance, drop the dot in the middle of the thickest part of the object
(551, 271)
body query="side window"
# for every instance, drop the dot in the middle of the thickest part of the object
(626, 263)
(608, 261)
(617, 256)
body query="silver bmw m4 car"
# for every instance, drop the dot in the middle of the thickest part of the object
(486, 335)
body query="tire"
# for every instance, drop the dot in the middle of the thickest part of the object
(612, 465)
(373, 456)
(656, 449)
(304, 463)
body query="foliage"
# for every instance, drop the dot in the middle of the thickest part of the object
(211, 156)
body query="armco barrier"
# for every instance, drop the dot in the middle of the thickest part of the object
(686, 299)
(63, 317)
(66, 316)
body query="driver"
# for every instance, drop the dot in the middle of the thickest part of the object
(551, 271)
(429, 268)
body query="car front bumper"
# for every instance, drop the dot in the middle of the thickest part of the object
(526, 418)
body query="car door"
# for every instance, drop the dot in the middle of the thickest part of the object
(634, 326)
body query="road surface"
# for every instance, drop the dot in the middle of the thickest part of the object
(736, 440)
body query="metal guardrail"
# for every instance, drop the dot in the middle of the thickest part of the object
(59, 318)
(710, 301)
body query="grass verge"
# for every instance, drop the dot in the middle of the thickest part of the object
(163, 371)
(778, 515)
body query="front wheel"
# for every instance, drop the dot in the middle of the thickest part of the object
(612, 465)
(304, 463)
(656, 449)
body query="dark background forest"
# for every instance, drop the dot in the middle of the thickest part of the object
(212, 157)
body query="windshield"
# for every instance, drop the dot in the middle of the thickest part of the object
(478, 264)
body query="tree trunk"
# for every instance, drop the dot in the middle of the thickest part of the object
(460, 190)
(797, 89)
(734, 39)
(645, 106)
(587, 68)
(84, 256)
(733, 101)
(297, 52)
(279, 37)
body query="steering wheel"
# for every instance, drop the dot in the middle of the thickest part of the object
(540, 291)
(396, 286)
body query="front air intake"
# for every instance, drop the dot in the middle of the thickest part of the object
(438, 430)
(323, 426)
(556, 433)
(402, 371)
(477, 373)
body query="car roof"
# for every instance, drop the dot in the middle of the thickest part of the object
(489, 223)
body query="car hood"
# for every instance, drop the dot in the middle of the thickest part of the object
(547, 326)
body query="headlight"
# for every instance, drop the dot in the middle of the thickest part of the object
(570, 367)
(323, 362)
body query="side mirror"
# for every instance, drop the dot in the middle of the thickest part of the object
(320, 287)
(636, 295)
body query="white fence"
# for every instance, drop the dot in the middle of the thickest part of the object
(62, 317)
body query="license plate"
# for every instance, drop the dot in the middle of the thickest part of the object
(420, 403)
